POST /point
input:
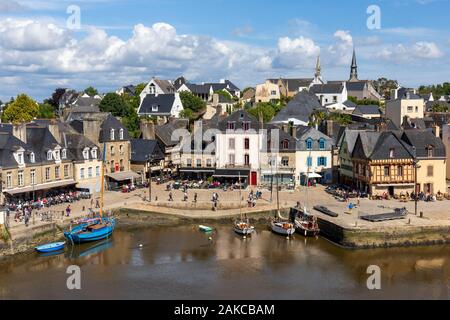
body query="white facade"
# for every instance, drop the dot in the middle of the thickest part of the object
(152, 88)
(334, 97)
(301, 161)
(231, 149)
(267, 92)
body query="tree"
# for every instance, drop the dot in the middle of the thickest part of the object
(341, 118)
(384, 86)
(139, 88)
(192, 102)
(440, 107)
(22, 109)
(187, 114)
(224, 94)
(364, 102)
(113, 103)
(122, 107)
(265, 109)
(56, 96)
(316, 118)
(437, 90)
(91, 91)
(46, 111)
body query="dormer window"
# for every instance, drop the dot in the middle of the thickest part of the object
(49, 155)
(155, 108)
(64, 154)
(231, 126)
(94, 153)
(246, 126)
(152, 89)
(20, 159)
(392, 153)
(32, 157)
(57, 155)
(309, 144)
(111, 134)
(86, 154)
(121, 134)
(430, 152)
(285, 144)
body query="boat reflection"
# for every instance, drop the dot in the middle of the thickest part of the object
(83, 251)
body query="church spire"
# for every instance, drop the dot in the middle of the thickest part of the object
(318, 73)
(354, 68)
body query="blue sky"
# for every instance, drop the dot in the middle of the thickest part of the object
(122, 42)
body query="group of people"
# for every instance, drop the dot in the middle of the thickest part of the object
(253, 197)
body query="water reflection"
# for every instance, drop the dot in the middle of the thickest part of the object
(175, 262)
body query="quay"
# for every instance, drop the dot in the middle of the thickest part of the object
(347, 230)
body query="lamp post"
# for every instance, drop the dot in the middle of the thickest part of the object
(416, 193)
(149, 178)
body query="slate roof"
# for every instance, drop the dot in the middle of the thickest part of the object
(165, 85)
(422, 139)
(140, 148)
(282, 136)
(350, 137)
(327, 88)
(356, 85)
(111, 122)
(8, 145)
(349, 104)
(198, 88)
(301, 107)
(85, 102)
(304, 133)
(239, 117)
(164, 102)
(164, 132)
(220, 86)
(377, 146)
(367, 110)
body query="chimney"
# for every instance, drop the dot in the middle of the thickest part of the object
(20, 132)
(330, 128)
(215, 99)
(294, 131)
(437, 131)
(147, 129)
(54, 130)
(285, 127)
(91, 129)
(408, 95)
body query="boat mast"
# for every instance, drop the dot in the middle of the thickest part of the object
(240, 197)
(103, 180)
(307, 183)
(278, 189)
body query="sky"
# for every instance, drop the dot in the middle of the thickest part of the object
(46, 44)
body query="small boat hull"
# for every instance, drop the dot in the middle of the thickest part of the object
(307, 232)
(244, 231)
(205, 228)
(282, 228)
(78, 236)
(51, 247)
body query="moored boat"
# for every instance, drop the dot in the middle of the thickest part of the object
(243, 228)
(205, 228)
(283, 228)
(50, 247)
(307, 225)
(93, 230)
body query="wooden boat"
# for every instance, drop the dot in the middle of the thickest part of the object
(101, 229)
(243, 228)
(51, 247)
(307, 225)
(205, 228)
(326, 211)
(283, 228)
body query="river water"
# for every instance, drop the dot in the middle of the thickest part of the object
(183, 263)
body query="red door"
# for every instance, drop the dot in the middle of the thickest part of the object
(254, 179)
(117, 167)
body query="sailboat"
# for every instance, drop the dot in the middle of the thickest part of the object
(97, 228)
(242, 226)
(279, 225)
(306, 223)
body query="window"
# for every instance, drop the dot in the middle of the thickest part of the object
(66, 171)
(231, 126)
(32, 157)
(122, 168)
(334, 98)
(47, 174)
(33, 177)
(90, 172)
(97, 171)
(273, 93)
(387, 171)
(49, 155)
(86, 154)
(9, 180)
(111, 134)
(189, 163)
(20, 158)
(410, 109)
(121, 149)
(247, 160)
(94, 153)
(82, 173)
(247, 144)
(309, 161)
(57, 172)
(321, 161)
(285, 144)
(155, 108)
(246, 126)
(152, 89)
(309, 144)
(430, 152)
(121, 134)
(199, 163)
(400, 171)
(20, 178)
(64, 154)
(391, 153)
(285, 161)
(430, 170)
(231, 144)
(231, 159)
(322, 144)
(57, 155)
(208, 163)
(112, 151)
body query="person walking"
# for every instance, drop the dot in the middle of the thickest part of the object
(195, 197)
(170, 197)
(68, 209)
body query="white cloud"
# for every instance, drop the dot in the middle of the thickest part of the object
(298, 52)
(419, 50)
(9, 6)
(341, 51)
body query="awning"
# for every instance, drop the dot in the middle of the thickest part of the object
(43, 186)
(231, 173)
(192, 169)
(313, 175)
(123, 176)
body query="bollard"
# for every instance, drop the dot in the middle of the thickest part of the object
(421, 214)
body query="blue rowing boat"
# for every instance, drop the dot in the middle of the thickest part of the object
(51, 247)
(93, 230)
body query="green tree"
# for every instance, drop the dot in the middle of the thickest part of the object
(440, 107)
(113, 103)
(21, 109)
(139, 88)
(341, 118)
(46, 111)
(265, 109)
(187, 114)
(316, 118)
(91, 91)
(122, 107)
(364, 102)
(192, 102)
